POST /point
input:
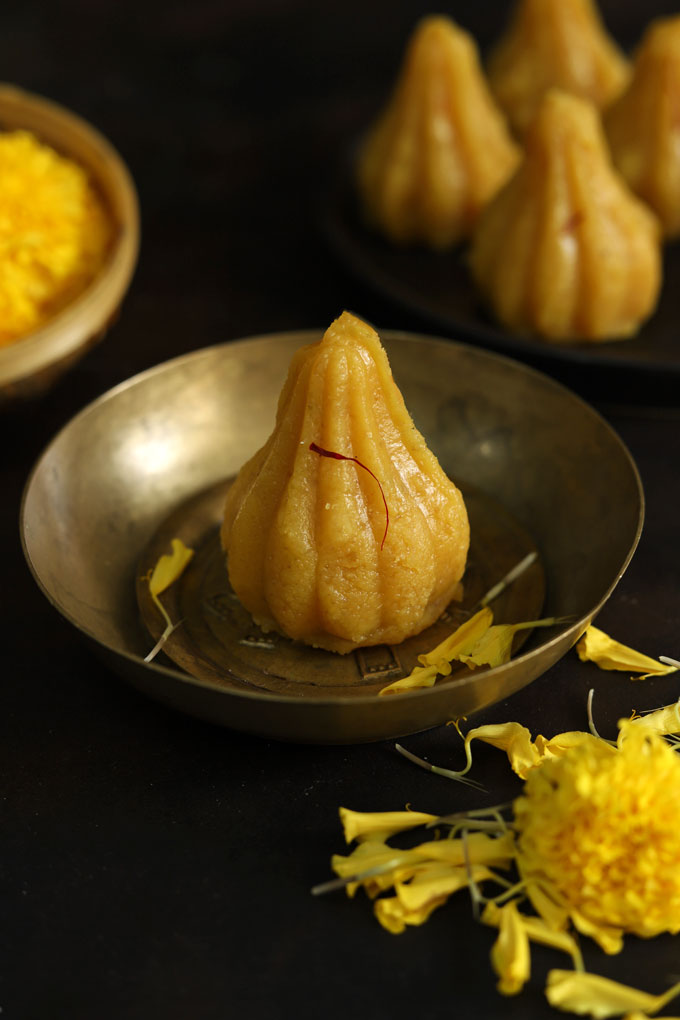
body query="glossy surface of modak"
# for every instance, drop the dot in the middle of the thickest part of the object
(554, 43)
(440, 149)
(565, 251)
(643, 125)
(314, 551)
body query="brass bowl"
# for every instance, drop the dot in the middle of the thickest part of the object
(120, 470)
(29, 366)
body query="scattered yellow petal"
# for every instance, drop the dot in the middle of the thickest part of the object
(430, 888)
(562, 743)
(362, 824)
(169, 567)
(644, 1016)
(476, 643)
(523, 753)
(438, 661)
(513, 738)
(382, 866)
(167, 570)
(598, 647)
(436, 882)
(537, 930)
(510, 956)
(664, 720)
(480, 848)
(419, 677)
(608, 937)
(599, 997)
(555, 915)
(462, 639)
(495, 647)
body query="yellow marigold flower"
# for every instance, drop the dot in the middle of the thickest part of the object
(599, 834)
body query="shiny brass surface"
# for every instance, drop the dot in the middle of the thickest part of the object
(108, 484)
(32, 364)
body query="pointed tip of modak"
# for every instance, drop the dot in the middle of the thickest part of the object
(439, 30)
(349, 328)
(663, 35)
(558, 42)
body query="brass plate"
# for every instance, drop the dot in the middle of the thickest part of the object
(111, 478)
(217, 640)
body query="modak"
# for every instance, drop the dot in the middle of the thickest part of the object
(343, 530)
(566, 251)
(440, 149)
(642, 126)
(554, 43)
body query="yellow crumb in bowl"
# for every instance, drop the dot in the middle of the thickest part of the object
(55, 233)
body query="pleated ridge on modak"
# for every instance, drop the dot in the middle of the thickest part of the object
(566, 251)
(440, 149)
(339, 552)
(642, 126)
(554, 44)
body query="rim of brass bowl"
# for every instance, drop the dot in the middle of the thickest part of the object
(114, 473)
(33, 363)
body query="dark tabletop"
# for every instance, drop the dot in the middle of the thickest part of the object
(152, 865)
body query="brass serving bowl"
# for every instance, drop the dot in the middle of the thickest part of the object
(135, 459)
(29, 366)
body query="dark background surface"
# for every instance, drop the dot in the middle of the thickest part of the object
(152, 865)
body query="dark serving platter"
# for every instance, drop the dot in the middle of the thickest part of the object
(437, 289)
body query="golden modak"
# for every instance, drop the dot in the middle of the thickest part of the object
(343, 530)
(440, 149)
(566, 251)
(643, 128)
(554, 43)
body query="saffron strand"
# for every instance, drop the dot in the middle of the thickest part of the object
(315, 448)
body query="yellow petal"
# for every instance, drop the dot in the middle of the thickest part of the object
(510, 956)
(599, 997)
(416, 900)
(561, 743)
(360, 824)
(382, 866)
(438, 661)
(169, 567)
(421, 676)
(479, 848)
(513, 738)
(554, 915)
(461, 640)
(537, 930)
(663, 720)
(598, 647)
(436, 882)
(609, 938)
(644, 1016)
(167, 570)
(393, 916)
(495, 647)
